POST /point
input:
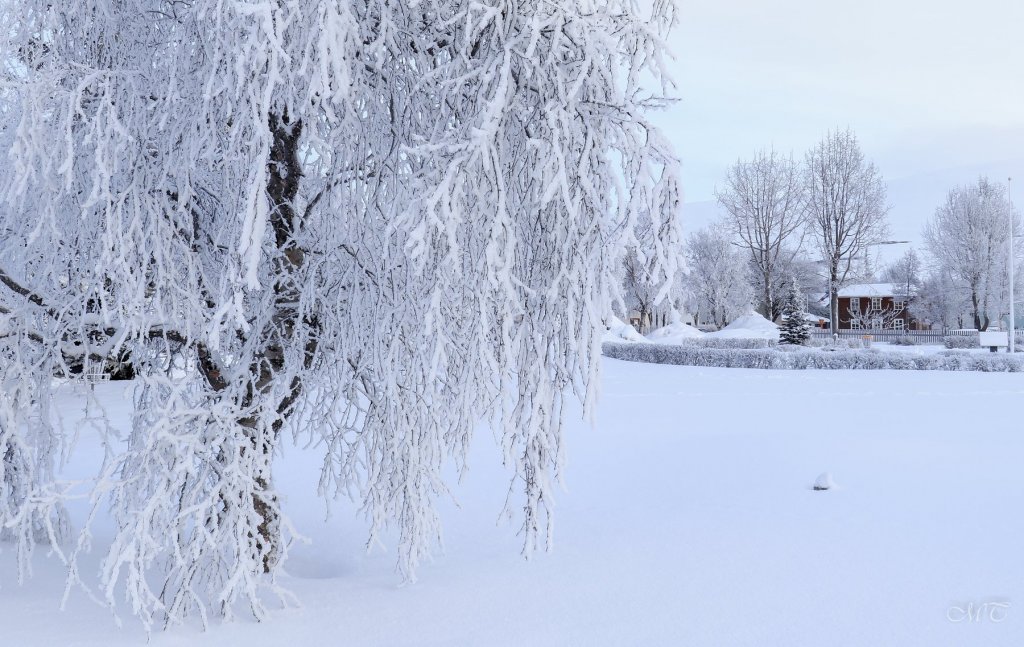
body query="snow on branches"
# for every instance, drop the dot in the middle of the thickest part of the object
(370, 224)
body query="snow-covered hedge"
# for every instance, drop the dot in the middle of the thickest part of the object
(813, 359)
(836, 344)
(906, 340)
(734, 343)
(962, 341)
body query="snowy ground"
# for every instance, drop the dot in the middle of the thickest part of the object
(927, 349)
(689, 519)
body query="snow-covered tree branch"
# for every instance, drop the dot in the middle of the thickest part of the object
(372, 224)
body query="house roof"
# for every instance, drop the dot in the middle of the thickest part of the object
(868, 290)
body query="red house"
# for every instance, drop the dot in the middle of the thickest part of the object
(875, 306)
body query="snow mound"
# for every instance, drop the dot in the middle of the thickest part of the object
(620, 331)
(674, 333)
(750, 325)
(824, 482)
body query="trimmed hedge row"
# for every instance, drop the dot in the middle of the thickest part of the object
(835, 344)
(966, 341)
(813, 359)
(725, 342)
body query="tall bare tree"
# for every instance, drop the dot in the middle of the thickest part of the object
(764, 199)
(846, 207)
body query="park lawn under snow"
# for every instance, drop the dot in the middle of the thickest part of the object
(688, 519)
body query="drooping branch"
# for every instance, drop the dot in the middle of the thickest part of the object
(19, 289)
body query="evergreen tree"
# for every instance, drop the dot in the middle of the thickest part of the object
(795, 329)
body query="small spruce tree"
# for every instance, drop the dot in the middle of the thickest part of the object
(795, 329)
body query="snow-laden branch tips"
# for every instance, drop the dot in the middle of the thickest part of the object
(369, 225)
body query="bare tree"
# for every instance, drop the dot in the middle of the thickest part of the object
(846, 208)
(718, 275)
(967, 240)
(764, 199)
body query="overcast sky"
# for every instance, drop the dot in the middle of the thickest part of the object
(934, 90)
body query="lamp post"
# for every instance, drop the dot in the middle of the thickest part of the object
(881, 242)
(1009, 197)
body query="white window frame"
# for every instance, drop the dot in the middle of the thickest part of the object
(855, 324)
(899, 324)
(898, 304)
(876, 303)
(854, 304)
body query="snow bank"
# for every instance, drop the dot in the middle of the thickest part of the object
(749, 326)
(674, 333)
(800, 359)
(620, 331)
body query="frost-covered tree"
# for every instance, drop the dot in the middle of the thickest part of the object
(795, 330)
(937, 302)
(846, 208)
(967, 240)
(765, 203)
(370, 224)
(905, 274)
(718, 272)
(643, 283)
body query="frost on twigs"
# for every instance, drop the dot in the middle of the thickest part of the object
(369, 226)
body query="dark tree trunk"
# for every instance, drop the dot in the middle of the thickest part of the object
(976, 311)
(285, 174)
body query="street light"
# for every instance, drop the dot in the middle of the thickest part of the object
(881, 242)
(1009, 197)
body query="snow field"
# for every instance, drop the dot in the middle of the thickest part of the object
(689, 518)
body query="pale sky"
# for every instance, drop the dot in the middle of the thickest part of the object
(934, 90)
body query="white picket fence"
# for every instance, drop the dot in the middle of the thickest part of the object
(887, 335)
(919, 336)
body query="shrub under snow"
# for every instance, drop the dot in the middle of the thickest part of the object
(904, 341)
(734, 343)
(812, 359)
(962, 341)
